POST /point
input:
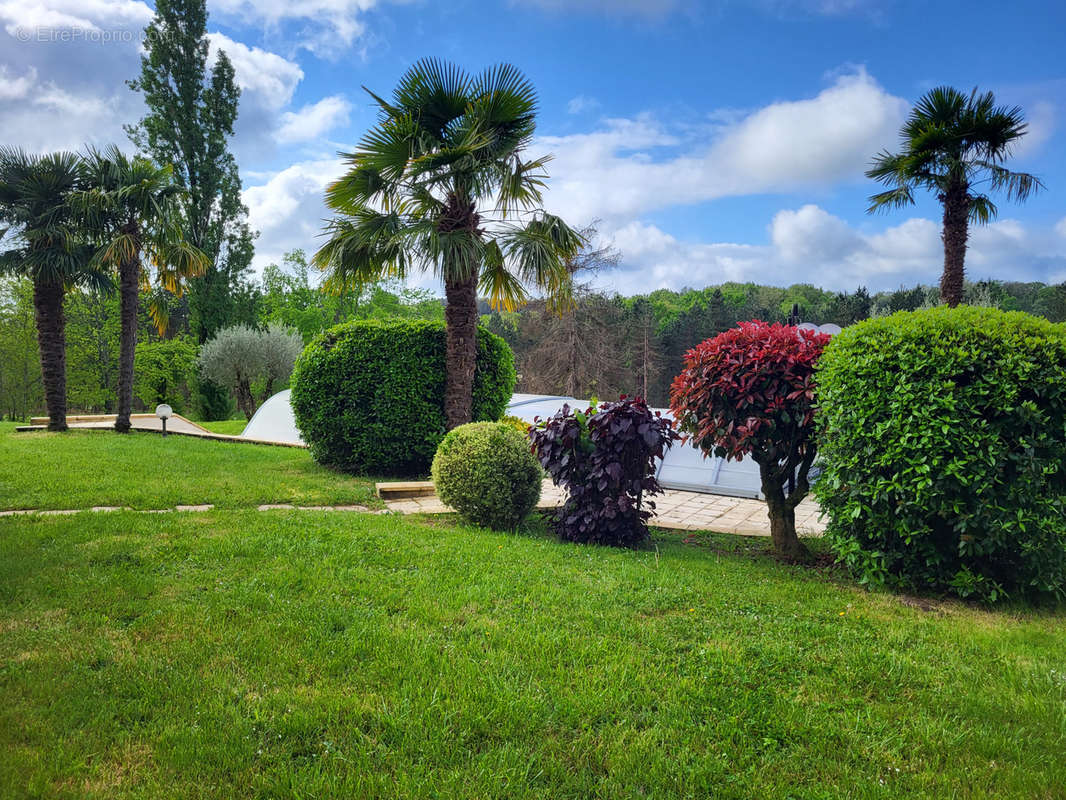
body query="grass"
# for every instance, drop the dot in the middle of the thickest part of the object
(245, 654)
(236, 654)
(81, 469)
(229, 427)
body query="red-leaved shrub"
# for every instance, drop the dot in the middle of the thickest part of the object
(750, 391)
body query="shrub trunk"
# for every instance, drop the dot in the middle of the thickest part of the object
(52, 340)
(460, 316)
(782, 513)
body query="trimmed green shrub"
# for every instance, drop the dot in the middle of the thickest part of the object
(943, 440)
(486, 472)
(368, 396)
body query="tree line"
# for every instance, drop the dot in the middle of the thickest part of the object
(167, 365)
(610, 344)
(606, 345)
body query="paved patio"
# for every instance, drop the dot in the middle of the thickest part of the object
(678, 510)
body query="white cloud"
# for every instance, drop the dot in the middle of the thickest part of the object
(53, 118)
(1041, 119)
(289, 208)
(640, 8)
(1060, 229)
(789, 145)
(269, 76)
(581, 104)
(314, 119)
(28, 21)
(325, 24)
(809, 233)
(16, 87)
(809, 245)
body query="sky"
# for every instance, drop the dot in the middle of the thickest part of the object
(710, 140)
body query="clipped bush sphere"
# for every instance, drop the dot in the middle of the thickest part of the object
(486, 472)
(368, 396)
(944, 448)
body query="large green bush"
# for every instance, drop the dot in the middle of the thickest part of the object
(943, 438)
(369, 396)
(486, 472)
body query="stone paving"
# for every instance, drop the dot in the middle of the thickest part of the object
(675, 509)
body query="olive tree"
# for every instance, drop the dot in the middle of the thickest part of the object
(245, 359)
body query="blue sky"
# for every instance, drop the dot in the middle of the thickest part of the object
(713, 140)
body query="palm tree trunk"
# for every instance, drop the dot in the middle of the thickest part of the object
(955, 234)
(129, 277)
(52, 340)
(460, 316)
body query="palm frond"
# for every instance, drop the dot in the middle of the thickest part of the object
(368, 245)
(503, 288)
(898, 197)
(982, 210)
(434, 93)
(521, 184)
(540, 251)
(1018, 185)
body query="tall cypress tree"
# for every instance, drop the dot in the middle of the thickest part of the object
(191, 112)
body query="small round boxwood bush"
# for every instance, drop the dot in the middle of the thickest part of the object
(943, 440)
(486, 472)
(368, 396)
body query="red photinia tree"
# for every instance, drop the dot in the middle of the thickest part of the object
(750, 391)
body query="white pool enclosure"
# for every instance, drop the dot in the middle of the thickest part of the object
(274, 422)
(684, 467)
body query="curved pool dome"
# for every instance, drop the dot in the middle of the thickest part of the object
(274, 421)
(683, 467)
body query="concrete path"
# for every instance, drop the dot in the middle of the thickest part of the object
(177, 425)
(142, 422)
(677, 510)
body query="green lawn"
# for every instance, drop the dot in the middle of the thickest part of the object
(81, 469)
(241, 654)
(245, 654)
(229, 427)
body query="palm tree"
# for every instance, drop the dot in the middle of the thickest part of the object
(440, 184)
(953, 145)
(42, 241)
(134, 208)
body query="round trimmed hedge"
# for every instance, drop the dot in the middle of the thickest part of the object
(943, 440)
(368, 396)
(487, 472)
